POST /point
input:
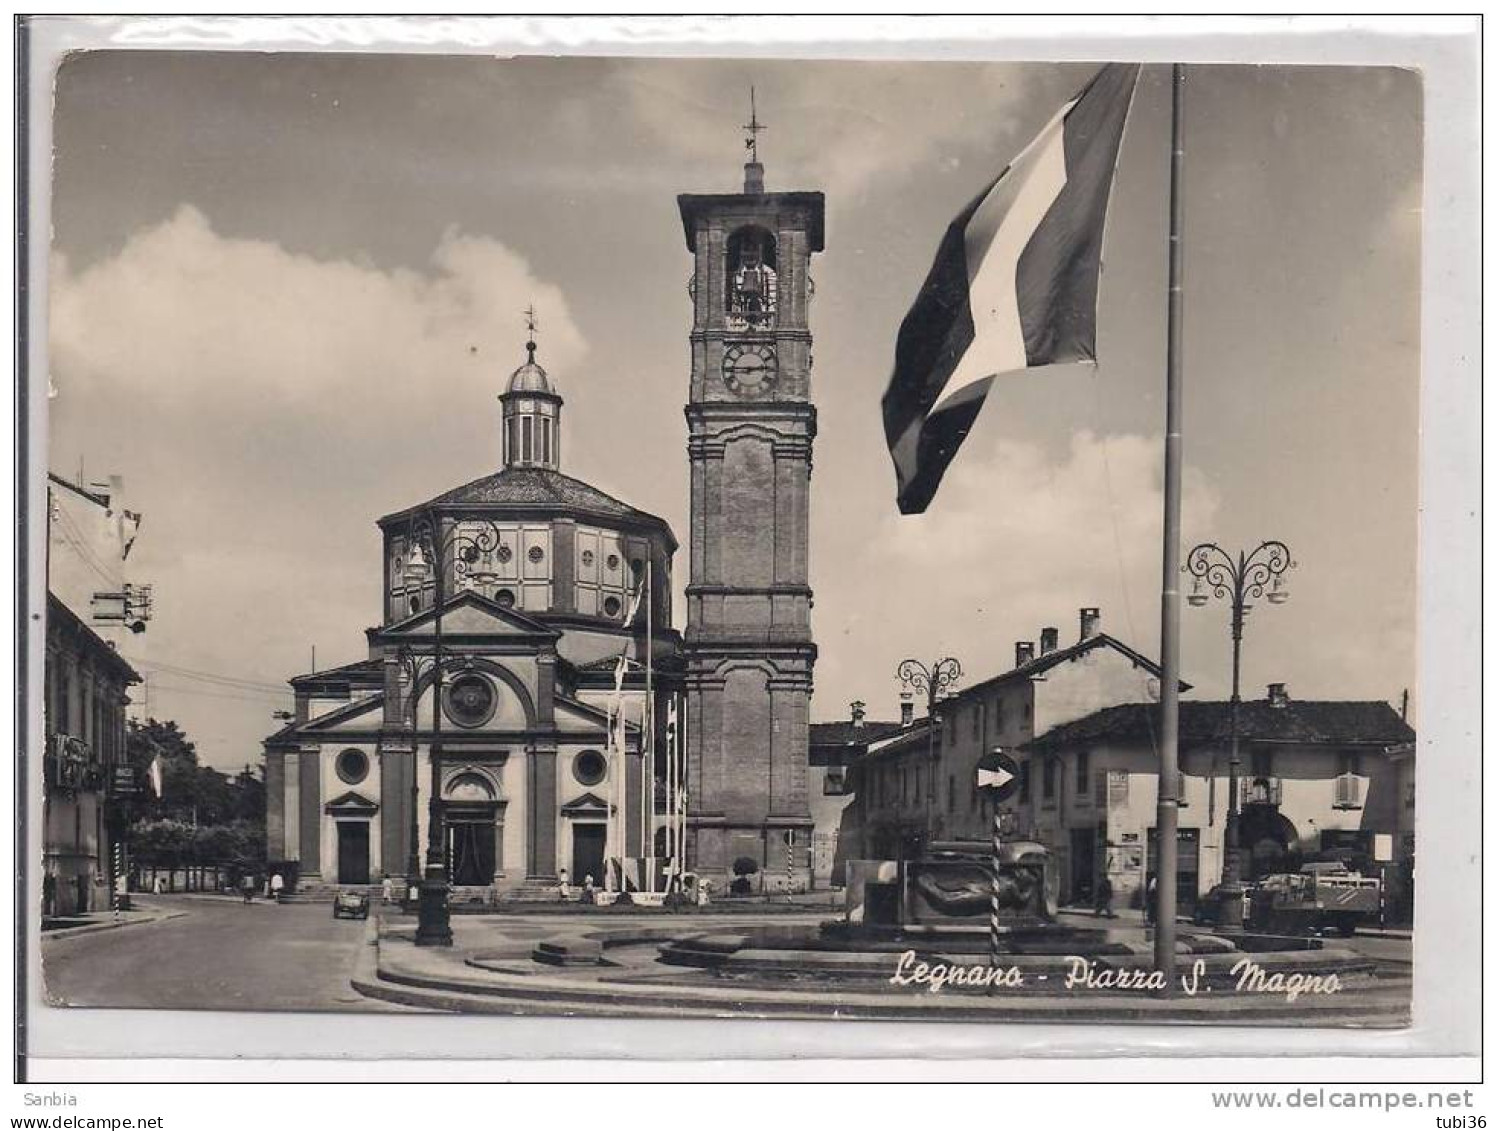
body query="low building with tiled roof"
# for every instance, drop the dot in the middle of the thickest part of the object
(921, 785)
(1319, 778)
(538, 586)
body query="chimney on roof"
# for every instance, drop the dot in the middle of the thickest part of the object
(1049, 640)
(906, 708)
(1023, 652)
(1091, 621)
(1278, 695)
(859, 712)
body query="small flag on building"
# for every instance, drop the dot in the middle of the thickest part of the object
(636, 599)
(1013, 286)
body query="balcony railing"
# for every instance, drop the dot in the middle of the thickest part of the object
(1347, 792)
(1262, 791)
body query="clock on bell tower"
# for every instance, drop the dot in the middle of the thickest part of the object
(751, 423)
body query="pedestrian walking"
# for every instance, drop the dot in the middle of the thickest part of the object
(1102, 899)
(156, 887)
(387, 890)
(247, 886)
(564, 888)
(276, 884)
(589, 893)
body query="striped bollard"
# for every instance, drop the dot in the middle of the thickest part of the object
(997, 778)
(993, 930)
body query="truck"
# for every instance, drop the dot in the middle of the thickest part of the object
(1320, 897)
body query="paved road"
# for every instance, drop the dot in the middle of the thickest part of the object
(220, 954)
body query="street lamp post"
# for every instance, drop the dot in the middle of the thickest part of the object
(933, 681)
(1238, 579)
(412, 669)
(427, 552)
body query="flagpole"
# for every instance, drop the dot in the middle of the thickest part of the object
(1168, 818)
(647, 760)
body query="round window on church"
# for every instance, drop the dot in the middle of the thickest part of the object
(505, 598)
(589, 768)
(613, 561)
(536, 553)
(353, 766)
(611, 606)
(587, 557)
(504, 553)
(470, 700)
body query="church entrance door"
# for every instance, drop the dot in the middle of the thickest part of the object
(353, 852)
(587, 852)
(470, 852)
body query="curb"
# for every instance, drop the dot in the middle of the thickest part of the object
(108, 925)
(377, 979)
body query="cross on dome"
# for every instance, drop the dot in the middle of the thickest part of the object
(532, 410)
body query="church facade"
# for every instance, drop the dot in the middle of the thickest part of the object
(538, 574)
(527, 583)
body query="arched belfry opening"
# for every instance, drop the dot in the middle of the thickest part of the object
(752, 277)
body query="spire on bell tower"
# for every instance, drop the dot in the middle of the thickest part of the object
(753, 171)
(532, 411)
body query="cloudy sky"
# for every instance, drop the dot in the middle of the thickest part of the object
(287, 289)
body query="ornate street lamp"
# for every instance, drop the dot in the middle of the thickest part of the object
(933, 682)
(1248, 576)
(428, 549)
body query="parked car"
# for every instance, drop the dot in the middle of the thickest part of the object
(1208, 912)
(353, 904)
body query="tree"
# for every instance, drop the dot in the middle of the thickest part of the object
(204, 817)
(190, 791)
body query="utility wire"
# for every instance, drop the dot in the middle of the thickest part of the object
(205, 676)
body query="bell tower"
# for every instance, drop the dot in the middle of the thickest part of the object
(751, 424)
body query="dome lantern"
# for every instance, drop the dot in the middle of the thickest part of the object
(532, 412)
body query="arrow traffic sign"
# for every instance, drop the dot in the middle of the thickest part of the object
(999, 773)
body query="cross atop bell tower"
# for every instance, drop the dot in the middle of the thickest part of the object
(753, 172)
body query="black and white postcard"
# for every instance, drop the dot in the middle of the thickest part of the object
(793, 538)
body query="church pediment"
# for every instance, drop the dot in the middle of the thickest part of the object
(352, 716)
(588, 805)
(351, 805)
(467, 614)
(576, 717)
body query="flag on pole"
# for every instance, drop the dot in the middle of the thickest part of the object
(154, 772)
(636, 599)
(1013, 285)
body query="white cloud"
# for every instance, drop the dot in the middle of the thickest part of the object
(200, 321)
(1017, 539)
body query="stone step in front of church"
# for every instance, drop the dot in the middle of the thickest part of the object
(318, 892)
(533, 891)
